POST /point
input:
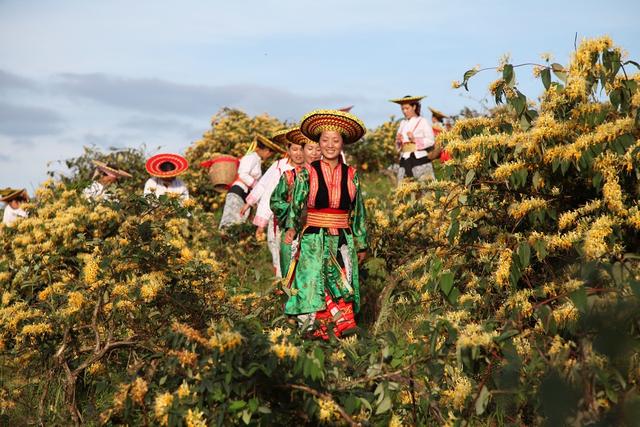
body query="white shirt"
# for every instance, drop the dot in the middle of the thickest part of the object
(11, 215)
(422, 135)
(249, 171)
(96, 191)
(261, 193)
(159, 188)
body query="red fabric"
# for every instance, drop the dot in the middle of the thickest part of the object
(444, 156)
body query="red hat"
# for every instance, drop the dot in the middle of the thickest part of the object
(180, 164)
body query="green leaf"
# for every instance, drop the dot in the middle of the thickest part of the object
(524, 254)
(482, 400)
(546, 78)
(579, 298)
(508, 75)
(237, 404)
(384, 406)
(469, 177)
(446, 282)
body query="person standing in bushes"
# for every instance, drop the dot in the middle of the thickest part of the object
(14, 198)
(103, 177)
(323, 284)
(261, 194)
(438, 125)
(249, 172)
(281, 196)
(164, 170)
(415, 141)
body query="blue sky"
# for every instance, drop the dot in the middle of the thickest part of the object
(123, 73)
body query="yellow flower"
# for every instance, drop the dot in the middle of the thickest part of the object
(195, 418)
(328, 410)
(504, 267)
(518, 210)
(505, 170)
(473, 335)
(139, 390)
(457, 395)
(161, 407)
(91, 271)
(595, 245)
(184, 390)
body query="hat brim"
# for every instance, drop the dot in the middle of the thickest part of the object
(297, 137)
(153, 165)
(281, 137)
(437, 114)
(348, 125)
(263, 140)
(103, 167)
(407, 99)
(13, 195)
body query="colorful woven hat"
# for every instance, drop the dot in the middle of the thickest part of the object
(153, 165)
(271, 145)
(438, 114)
(407, 99)
(8, 194)
(280, 137)
(296, 136)
(315, 122)
(106, 169)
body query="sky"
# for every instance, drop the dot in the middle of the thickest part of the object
(117, 73)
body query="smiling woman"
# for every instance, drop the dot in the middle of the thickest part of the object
(323, 281)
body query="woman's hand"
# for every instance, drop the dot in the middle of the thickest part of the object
(289, 236)
(361, 256)
(245, 208)
(410, 136)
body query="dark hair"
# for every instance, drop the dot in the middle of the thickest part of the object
(167, 166)
(417, 105)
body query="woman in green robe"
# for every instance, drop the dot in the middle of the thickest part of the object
(323, 282)
(281, 196)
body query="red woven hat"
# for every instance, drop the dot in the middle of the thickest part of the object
(157, 165)
(350, 127)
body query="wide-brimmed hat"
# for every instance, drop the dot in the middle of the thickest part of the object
(296, 136)
(9, 194)
(350, 127)
(407, 99)
(180, 164)
(437, 114)
(277, 148)
(280, 137)
(106, 169)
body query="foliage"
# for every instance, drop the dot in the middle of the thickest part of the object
(505, 292)
(377, 151)
(231, 133)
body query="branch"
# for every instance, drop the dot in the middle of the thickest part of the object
(326, 396)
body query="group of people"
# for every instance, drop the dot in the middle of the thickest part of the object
(308, 204)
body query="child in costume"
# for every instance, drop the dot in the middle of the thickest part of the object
(261, 195)
(282, 194)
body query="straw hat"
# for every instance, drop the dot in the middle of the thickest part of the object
(108, 170)
(273, 146)
(180, 164)
(9, 194)
(296, 136)
(437, 114)
(407, 99)
(348, 125)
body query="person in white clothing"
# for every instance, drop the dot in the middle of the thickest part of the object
(164, 169)
(103, 177)
(14, 198)
(261, 195)
(249, 173)
(415, 141)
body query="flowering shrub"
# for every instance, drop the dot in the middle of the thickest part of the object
(506, 292)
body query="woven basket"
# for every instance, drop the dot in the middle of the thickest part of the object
(223, 172)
